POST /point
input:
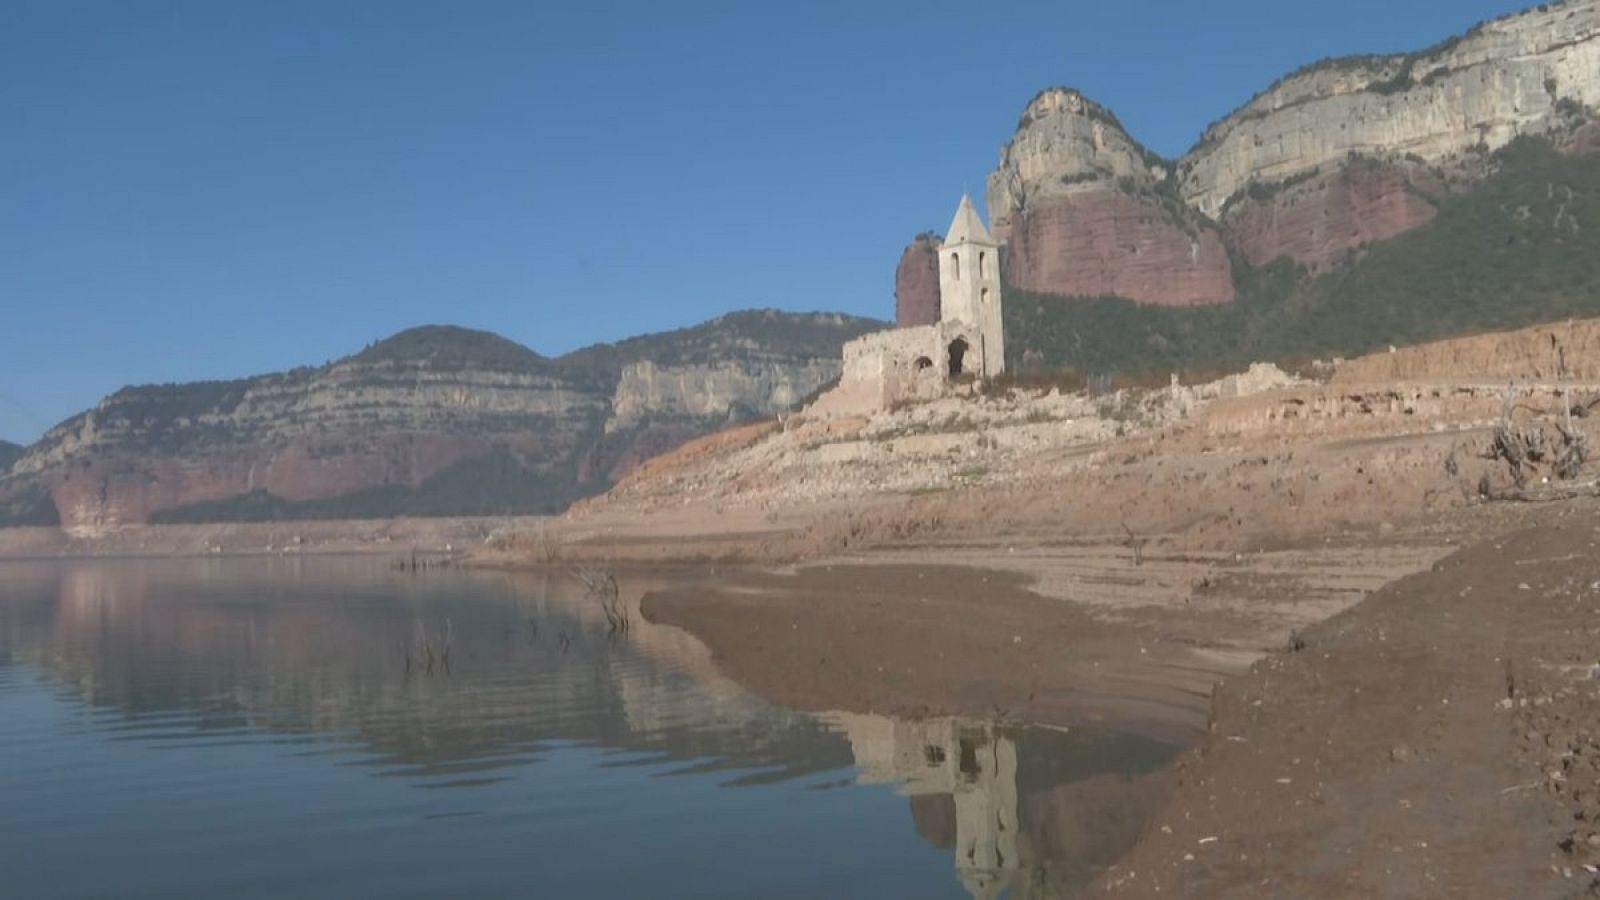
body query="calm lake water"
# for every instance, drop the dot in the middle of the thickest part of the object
(250, 728)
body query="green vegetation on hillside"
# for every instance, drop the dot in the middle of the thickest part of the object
(1519, 249)
(737, 336)
(450, 347)
(164, 403)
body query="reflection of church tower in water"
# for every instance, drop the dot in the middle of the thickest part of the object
(986, 810)
(974, 762)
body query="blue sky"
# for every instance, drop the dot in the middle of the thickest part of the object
(214, 189)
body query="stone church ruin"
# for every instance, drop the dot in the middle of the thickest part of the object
(925, 362)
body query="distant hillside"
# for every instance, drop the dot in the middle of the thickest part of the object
(1521, 247)
(9, 453)
(437, 420)
(446, 347)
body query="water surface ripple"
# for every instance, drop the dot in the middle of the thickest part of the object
(268, 727)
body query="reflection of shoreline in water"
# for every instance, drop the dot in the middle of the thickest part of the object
(1025, 811)
(175, 650)
(302, 645)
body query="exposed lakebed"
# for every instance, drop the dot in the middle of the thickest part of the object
(257, 727)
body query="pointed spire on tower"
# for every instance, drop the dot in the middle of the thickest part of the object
(967, 227)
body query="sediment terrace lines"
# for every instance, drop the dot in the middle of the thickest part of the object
(1264, 596)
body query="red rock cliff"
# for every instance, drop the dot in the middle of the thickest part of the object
(1084, 210)
(1326, 159)
(1315, 222)
(1107, 242)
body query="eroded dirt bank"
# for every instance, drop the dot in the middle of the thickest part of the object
(1441, 739)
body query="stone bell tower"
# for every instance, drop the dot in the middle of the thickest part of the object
(969, 287)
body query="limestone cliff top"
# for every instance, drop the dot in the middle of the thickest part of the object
(1526, 73)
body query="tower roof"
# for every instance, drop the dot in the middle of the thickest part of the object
(967, 227)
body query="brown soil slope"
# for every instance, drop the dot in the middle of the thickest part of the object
(1439, 740)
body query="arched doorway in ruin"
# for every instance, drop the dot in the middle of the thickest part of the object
(958, 356)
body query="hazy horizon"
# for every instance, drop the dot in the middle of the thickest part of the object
(204, 192)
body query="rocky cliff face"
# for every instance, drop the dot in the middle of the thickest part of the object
(9, 453)
(916, 283)
(432, 421)
(1520, 247)
(1316, 220)
(731, 390)
(1084, 209)
(1114, 242)
(1477, 92)
(1330, 159)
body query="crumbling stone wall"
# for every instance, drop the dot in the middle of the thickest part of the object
(916, 284)
(906, 365)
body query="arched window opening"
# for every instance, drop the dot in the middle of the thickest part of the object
(958, 356)
(955, 266)
(983, 264)
(985, 296)
(922, 363)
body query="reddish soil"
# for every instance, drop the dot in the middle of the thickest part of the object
(1561, 351)
(1439, 740)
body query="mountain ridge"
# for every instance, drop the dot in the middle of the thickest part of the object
(1521, 248)
(1336, 155)
(433, 420)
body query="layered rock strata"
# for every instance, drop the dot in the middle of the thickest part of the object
(1084, 210)
(1095, 243)
(1330, 159)
(432, 421)
(1517, 75)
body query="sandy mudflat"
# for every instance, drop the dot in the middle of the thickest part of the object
(1440, 738)
(915, 641)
